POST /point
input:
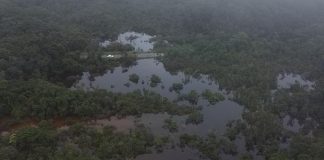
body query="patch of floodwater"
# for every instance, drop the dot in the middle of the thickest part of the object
(291, 124)
(215, 120)
(120, 124)
(117, 80)
(142, 42)
(286, 80)
(215, 116)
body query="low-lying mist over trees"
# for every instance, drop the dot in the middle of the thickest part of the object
(260, 17)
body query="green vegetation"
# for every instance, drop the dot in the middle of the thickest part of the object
(155, 80)
(195, 118)
(210, 147)
(212, 98)
(160, 142)
(192, 97)
(78, 142)
(118, 47)
(134, 78)
(170, 125)
(177, 87)
(246, 156)
(46, 45)
(45, 100)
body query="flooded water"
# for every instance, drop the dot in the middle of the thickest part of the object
(292, 125)
(141, 42)
(286, 80)
(117, 80)
(215, 116)
(215, 120)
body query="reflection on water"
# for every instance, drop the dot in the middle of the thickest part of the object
(286, 80)
(215, 120)
(116, 79)
(215, 116)
(291, 124)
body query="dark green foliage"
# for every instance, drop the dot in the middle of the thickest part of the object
(170, 125)
(177, 87)
(210, 147)
(246, 156)
(8, 153)
(212, 98)
(261, 129)
(118, 47)
(160, 142)
(78, 142)
(192, 97)
(195, 118)
(134, 78)
(279, 156)
(45, 100)
(155, 80)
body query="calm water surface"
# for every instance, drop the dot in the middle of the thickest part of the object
(215, 116)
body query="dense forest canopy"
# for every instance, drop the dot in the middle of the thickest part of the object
(243, 44)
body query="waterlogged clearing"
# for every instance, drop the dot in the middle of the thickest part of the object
(215, 120)
(291, 124)
(286, 80)
(172, 86)
(215, 117)
(117, 80)
(141, 42)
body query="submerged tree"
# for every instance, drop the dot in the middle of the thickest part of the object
(134, 78)
(195, 118)
(155, 80)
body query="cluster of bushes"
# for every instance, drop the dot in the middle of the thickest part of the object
(177, 87)
(212, 98)
(210, 147)
(195, 118)
(171, 125)
(44, 100)
(77, 142)
(134, 78)
(192, 97)
(155, 80)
